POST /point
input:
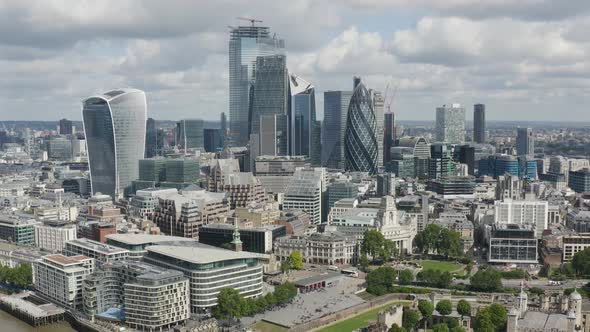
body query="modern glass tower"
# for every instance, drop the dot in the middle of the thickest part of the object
(303, 117)
(246, 44)
(360, 139)
(479, 123)
(151, 138)
(114, 125)
(65, 127)
(189, 134)
(388, 136)
(525, 142)
(450, 124)
(333, 129)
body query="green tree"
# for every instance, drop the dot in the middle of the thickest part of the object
(296, 260)
(464, 308)
(498, 315)
(396, 328)
(449, 243)
(380, 281)
(230, 304)
(444, 307)
(372, 243)
(285, 292)
(440, 328)
(406, 277)
(410, 319)
(486, 280)
(491, 318)
(426, 309)
(581, 262)
(457, 329)
(468, 268)
(364, 262)
(286, 266)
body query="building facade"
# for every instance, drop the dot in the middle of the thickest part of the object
(450, 124)
(114, 127)
(479, 123)
(525, 142)
(336, 104)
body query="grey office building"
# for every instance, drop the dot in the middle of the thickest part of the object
(388, 136)
(65, 127)
(303, 116)
(246, 44)
(479, 123)
(525, 142)
(189, 134)
(59, 148)
(450, 124)
(334, 125)
(114, 126)
(151, 138)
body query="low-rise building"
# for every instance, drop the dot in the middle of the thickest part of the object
(18, 229)
(574, 243)
(211, 269)
(59, 278)
(101, 252)
(329, 247)
(256, 239)
(53, 235)
(512, 243)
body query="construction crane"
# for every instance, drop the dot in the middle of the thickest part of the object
(388, 103)
(253, 21)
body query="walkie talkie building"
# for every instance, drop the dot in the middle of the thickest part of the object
(360, 139)
(114, 125)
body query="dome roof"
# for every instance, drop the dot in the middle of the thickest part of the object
(575, 296)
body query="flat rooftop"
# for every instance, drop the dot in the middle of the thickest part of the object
(66, 260)
(201, 254)
(96, 246)
(139, 239)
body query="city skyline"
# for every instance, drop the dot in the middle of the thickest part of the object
(179, 57)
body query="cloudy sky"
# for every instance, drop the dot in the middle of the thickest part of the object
(525, 59)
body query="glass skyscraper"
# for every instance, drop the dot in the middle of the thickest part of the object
(189, 134)
(151, 138)
(479, 123)
(246, 43)
(303, 116)
(360, 139)
(114, 125)
(525, 142)
(450, 124)
(334, 126)
(388, 136)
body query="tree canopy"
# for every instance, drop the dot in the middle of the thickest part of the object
(410, 319)
(376, 246)
(426, 309)
(380, 281)
(406, 277)
(442, 241)
(20, 276)
(486, 280)
(396, 328)
(435, 278)
(491, 318)
(231, 304)
(464, 308)
(581, 262)
(296, 260)
(444, 307)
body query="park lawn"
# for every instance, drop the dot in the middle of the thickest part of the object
(358, 321)
(268, 327)
(441, 265)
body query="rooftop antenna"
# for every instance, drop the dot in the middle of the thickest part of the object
(253, 21)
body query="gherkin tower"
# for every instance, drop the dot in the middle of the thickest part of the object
(360, 138)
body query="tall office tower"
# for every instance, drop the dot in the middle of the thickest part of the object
(378, 103)
(315, 155)
(189, 134)
(151, 138)
(223, 129)
(270, 91)
(246, 43)
(65, 127)
(334, 126)
(272, 138)
(525, 142)
(305, 193)
(360, 138)
(388, 136)
(114, 125)
(212, 140)
(450, 124)
(479, 123)
(59, 148)
(303, 118)
(441, 164)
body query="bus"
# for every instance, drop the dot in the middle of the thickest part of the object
(350, 273)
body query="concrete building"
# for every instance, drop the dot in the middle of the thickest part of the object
(52, 236)
(479, 123)
(330, 248)
(305, 193)
(525, 142)
(533, 213)
(181, 214)
(59, 278)
(101, 252)
(151, 297)
(450, 124)
(210, 270)
(276, 172)
(579, 181)
(137, 244)
(573, 244)
(18, 229)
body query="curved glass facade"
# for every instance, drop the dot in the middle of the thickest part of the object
(114, 125)
(360, 139)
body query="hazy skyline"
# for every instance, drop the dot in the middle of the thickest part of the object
(526, 60)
